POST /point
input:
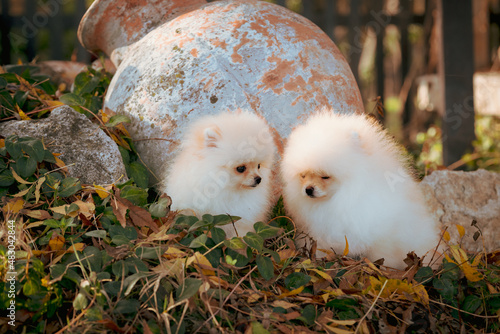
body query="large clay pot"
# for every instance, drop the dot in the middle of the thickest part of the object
(178, 59)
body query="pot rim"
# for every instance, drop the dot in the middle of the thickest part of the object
(111, 24)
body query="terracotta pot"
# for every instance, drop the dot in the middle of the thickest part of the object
(178, 59)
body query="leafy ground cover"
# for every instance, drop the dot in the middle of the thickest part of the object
(90, 258)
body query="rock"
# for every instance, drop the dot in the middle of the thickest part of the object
(88, 152)
(458, 198)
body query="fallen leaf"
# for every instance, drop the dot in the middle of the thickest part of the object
(461, 230)
(56, 243)
(14, 205)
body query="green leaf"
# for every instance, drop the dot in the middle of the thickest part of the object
(119, 268)
(149, 252)
(309, 314)
(131, 281)
(183, 221)
(32, 286)
(125, 155)
(101, 234)
(117, 119)
(424, 274)
(48, 156)
(93, 257)
(265, 231)
(13, 147)
(296, 280)
(265, 267)
(69, 186)
(120, 240)
(160, 208)
(25, 166)
(257, 328)
(33, 147)
(85, 83)
(80, 302)
(199, 241)
(187, 289)
(127, 306)
(139, 173)
(235, 243)
(72, 99)
(254, 240)
(137, 196)
(218, 235)
(241, 260)
(199, 225)
(3, 83)
(6, 178)
(471, 303)
(445, 287)
(219, 220)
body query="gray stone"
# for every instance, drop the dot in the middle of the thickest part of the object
(458, 198)
(88, 152)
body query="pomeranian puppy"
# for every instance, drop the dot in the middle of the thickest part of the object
(345, 178)
(224, 167)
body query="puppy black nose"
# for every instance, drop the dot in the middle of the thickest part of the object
(257, 179)
(310, 191)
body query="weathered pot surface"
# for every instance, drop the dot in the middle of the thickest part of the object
(177, 60)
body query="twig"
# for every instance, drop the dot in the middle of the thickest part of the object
(459, 310)
(371, 307)
(225, 300)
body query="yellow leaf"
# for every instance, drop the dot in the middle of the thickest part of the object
(76, 247)
(346, 249)
(201, 262)
(338, 330)
(323, 275)
(21, 113)
(461, 230)
(18, 178)
(284, 304)
(105, 117)
(343, 322)
(35, 224)
(52, 103)
(254, 297)
(2, 143)
(57, 243)
(62, 210)
(101, 191)
(45, 283)
(37, 189)
(446, 236)
(173, 252)
(14, 205)
(462, 260)
(22, 193)
(291, 293)
(120, 141)
(59, 162)
(88, 209)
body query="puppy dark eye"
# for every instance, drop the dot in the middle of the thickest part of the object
(303, 176)
(258, 166)
(241, 169)
(325, 177)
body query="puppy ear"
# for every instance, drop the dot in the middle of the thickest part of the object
(211, 136)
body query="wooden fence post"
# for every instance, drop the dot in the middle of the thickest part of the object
(456, 69)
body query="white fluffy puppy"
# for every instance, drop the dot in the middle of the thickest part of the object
(224, 167)
(344, 177)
